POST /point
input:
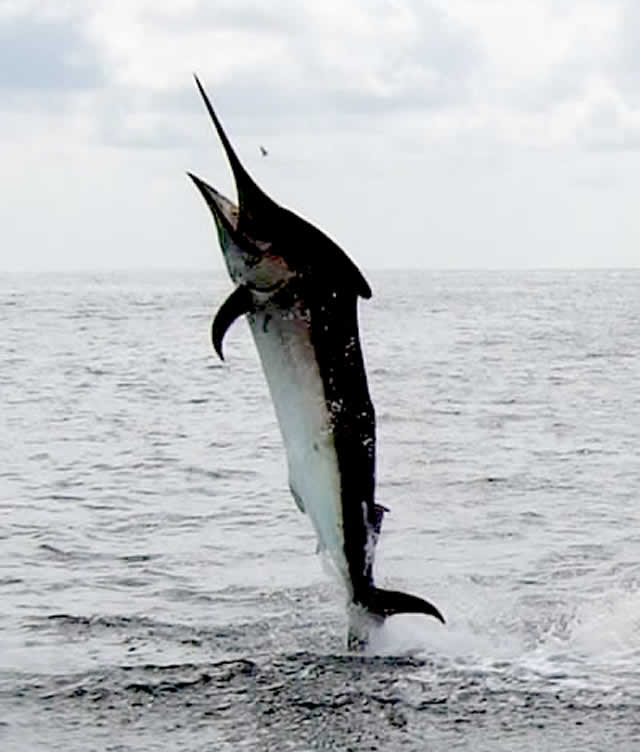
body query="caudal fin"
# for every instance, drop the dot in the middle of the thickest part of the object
(384, 603)
(369, 612)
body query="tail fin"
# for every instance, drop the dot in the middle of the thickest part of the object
(368, 613)
(384, 603)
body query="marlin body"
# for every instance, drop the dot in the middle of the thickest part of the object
(299, 292)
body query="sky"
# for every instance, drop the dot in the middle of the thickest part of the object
(416, 133)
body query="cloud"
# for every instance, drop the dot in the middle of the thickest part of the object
(607, 121)
(518, 74)
(327, 60)
(446, 72)
(415, 124)
(46, 54)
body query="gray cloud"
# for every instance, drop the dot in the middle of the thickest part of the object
(429, 63)
(624, 66)
(455, 134)
(424, 60)
(46, 54)
(278, 19)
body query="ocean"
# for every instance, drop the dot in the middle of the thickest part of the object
(161, 591)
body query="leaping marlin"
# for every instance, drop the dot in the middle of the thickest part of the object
(299, 292)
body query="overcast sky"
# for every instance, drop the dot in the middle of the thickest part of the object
(433, 133)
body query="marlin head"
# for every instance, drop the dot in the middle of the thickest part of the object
(264, 244)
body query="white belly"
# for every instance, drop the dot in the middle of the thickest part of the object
(290, 366)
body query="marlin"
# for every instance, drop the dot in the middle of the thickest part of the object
(299, 292)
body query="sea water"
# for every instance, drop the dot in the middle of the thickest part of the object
(160, 590)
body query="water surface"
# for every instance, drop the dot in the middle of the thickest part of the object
(160, 590)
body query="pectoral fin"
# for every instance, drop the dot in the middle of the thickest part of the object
(237, 304)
